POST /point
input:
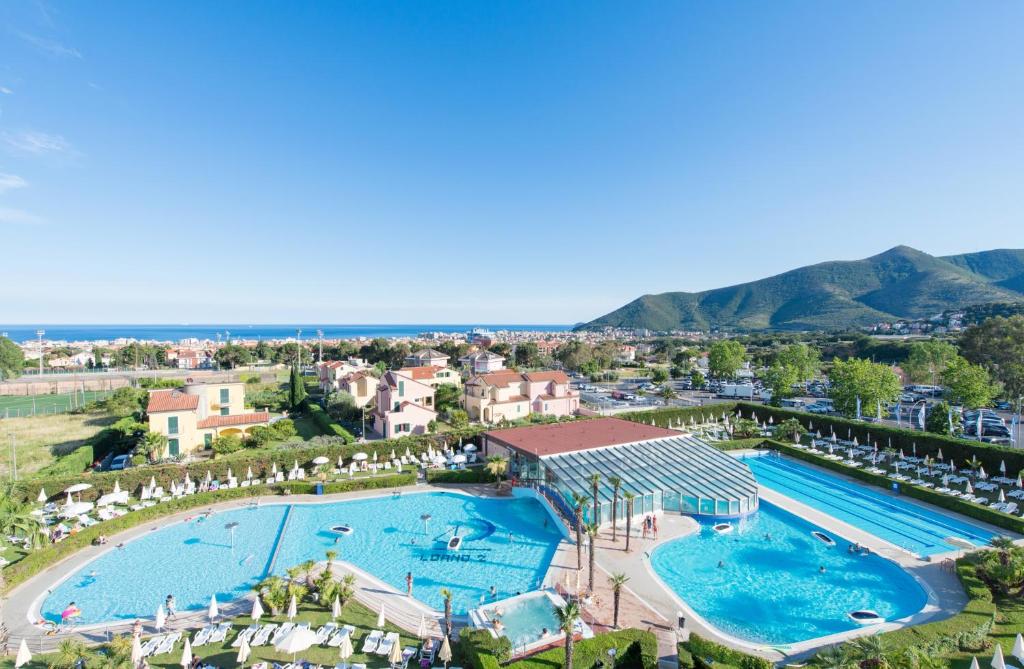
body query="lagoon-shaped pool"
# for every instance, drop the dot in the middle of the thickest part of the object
(507, 543)
(763, 581)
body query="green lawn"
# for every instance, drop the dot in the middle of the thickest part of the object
(28, 405)
(223, 655)
(306, 427)
(42, 439)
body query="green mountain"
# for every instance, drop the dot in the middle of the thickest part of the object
(900, 283)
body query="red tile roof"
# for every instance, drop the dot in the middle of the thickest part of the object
(171, 400)
(501, 379)
(259, 417)
(581, 435)
(546, 377)
(421, 372)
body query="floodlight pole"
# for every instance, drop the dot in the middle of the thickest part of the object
(40, 333)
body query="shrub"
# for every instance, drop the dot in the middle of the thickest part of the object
(637, 649)
(326, 424)
(704, 653)
(471, 475)
(283, 429)
(228, 443)
(458, 418)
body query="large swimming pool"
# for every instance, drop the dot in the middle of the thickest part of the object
(763, 582)
(507, 543)
(910, 526)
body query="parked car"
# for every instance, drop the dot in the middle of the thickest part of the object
(120, 462)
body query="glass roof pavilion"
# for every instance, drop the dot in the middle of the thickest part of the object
(665, 469)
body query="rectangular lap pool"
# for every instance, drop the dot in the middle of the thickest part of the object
(900, 522)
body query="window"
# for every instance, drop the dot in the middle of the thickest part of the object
(224, 411)
(225, 395)
(208, 440)
(545, 406)
(396, 407)
(401, 388)
(172, 425)
(172, 447)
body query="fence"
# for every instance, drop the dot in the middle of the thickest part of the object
(15, 406)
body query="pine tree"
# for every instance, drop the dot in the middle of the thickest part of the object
(296, 389)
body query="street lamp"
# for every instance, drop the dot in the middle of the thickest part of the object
(230, 527)
(320, 334)
(298, 348)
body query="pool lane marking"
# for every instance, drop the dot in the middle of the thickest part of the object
(277, 542)
(861, 501)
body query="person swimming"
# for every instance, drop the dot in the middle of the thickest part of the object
(821, 569)
(721, 563)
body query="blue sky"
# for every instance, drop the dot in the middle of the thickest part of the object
(533, 161)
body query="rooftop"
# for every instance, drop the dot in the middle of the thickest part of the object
(236, 419)
(171, 400)
(580, 435)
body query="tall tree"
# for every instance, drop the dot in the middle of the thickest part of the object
(296, 389)
(232, 355)
(617, 581)
(580, 501)
(629, 497)
(568, 616)
(447, 595)
(595, 485)
(969, 385)
(616, 484)
(592, 554)
(725, 358)
(870, 382)
(527, 355)
(927, 360)
(997, 344)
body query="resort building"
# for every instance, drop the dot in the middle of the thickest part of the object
(331, 373)
(509, 395)
(426, 357)
(482, 362)
(403, 405)
(192, 416)
(433, 376)
(362, 386)
(666, 470)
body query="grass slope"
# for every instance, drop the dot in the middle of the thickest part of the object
(899, 283)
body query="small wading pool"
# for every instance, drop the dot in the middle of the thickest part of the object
(527, 620)
(763, 582)
(507, 543)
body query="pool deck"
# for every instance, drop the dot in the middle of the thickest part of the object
(401, 610)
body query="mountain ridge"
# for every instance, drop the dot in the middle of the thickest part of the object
(901, 282)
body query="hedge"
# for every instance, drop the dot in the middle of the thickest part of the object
(260, 460)
(964, 631)
(326, 424)
(37, 560)
(927, 443)
(963, 507)
(470, 475)
(700, 653)
(480, 650)
(670, 416)
(636, 649)
(74, 463)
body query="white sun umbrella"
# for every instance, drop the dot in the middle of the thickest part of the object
(186, 654)
(969, 489)
(136, 650)
(393, 456)
(974, 663)
(1018, 647)
(407, 452)
(945, 480)
(459, 459)
(939, 455)
(188, 480)
(41, 497)
(248, 474)
(174, 488)
(375, 456)
(78, 487)
(293, 608)
(230, 475)
(321, 460)
(981, 473)
(161, 618)
(336, 608)
(345, 648)
(395, 656)
(380, 617)
(117, 486)
(213, 611)
(243, 651)
(439, 460)
(1020, 481)
(24, 656)
(952, 466)
(471, 448)
(445, 654)
(998, 661)
(421, 631)
(152, 482)
(359, 457)
(257, 609)
(296, 641)
(341, 462)
(833, 437)
(1002, 496)
(209, 476)
(273, 469)
(855, 442)
(1002, 467)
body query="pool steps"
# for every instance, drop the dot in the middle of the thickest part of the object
(277, 541)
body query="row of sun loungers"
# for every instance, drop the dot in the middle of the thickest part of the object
(211, 634)
(160, 644)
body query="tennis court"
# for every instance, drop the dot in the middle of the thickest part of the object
(12, 406)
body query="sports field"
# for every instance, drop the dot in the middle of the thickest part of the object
(12, 406)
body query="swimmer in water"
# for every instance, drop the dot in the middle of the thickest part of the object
(721, 564)
(767, 536)
(821, 569)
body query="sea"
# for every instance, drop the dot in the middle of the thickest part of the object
(22, 333)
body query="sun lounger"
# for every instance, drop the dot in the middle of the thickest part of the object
(325, 632)
(387, 643)
(372, 640)
(1010, 507)
(407, 653)
(357, 665)
(429, 650)
(203, 635)
(345, 631)
(245, 635)
(220, 633)
(281, 631)
(167, 645)
(151, 645)
(262, 637)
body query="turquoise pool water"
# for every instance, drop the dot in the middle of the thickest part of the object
(908, 525)
(771, 590)
(526, 619)
(194, 559)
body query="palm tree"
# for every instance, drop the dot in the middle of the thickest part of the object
(667, 393)
(629, 497)
(71, 652)
(595, 482)
(331, 556)
(567, 616)
(118, 653)
(273, 592)
(154, 444)
(496, 466)
(447, 594)
(616, 483)
(580, 501)
(16, 519)
(617, 581)
(1003, 544)
(871, 651)
(306, 568)
(835, 657)
(592, 535)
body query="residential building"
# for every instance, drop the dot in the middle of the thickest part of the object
(403, 405)
(626, 353)
(192, 416)
(509, 395)
(426, 357)
(331, 372)
(483, 362)
(434, 376)
(361, 385)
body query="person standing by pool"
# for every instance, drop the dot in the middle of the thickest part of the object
(654, 526)
(172, 609)
(408, 584)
